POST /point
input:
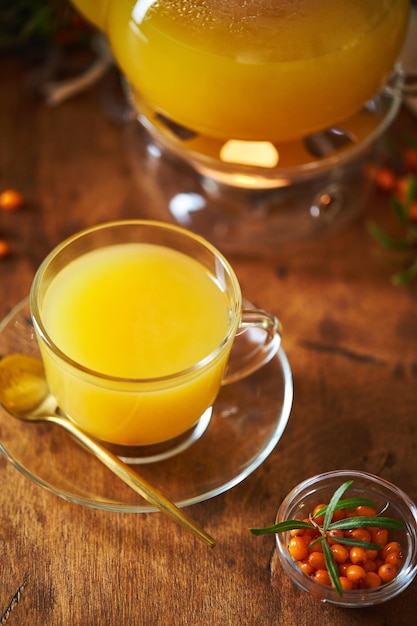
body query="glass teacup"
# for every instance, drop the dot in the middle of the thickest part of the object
(135, 321)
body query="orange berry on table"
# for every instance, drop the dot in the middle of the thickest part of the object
(10, 200)
(387, 572)
(358, 555)
(340, 553)
(4, 249)
(392, 546)
(297, 548)
(317, 560)
(372, 580)
(355, 573)
(321, 576)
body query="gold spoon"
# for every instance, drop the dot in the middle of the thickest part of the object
(24, 394)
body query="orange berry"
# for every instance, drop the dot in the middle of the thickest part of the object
(317, 560)
(392, 546)
(358, 555)
(355, 573)
(395, 558)
(362, 534)
(345, 583)
(316, 548)
(10, 200)
(338, 515)
(297, 548)
(305, 567)
(367, 511)
(372, 554)
(387, 572)
(321, 576)
(370, 565)
(340, 553)
(4, 249)
(319, 520)
(372, 580)
(379, 535)
(343, 567)
(297, 532)
(334, 535)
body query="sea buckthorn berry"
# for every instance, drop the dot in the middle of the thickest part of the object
(362, 534)
(387, 572)
(366, 511)
(392, 546)
(345, 583)
(297, 548)
(372, 554)
(358, 555)
(370, 566)
(10, 200)
(372, 580)
(395, 558)
(379, 536)
(355, 573)
(319, 520)
(305, 567)
(321, 576)
(334, 535)
(343, 567)
(316, 548)
(317, 560)
(4, 249)
(338, 515)
(340, 553)
(297, 532)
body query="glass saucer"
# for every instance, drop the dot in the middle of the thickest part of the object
(248, 420)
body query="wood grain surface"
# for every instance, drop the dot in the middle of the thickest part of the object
(351, 339)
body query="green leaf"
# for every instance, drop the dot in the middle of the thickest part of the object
(400, 210)
(333, 503)
(360, 543)
(332, 568)
(348, 503)
(411, 193)
(407, 276)
(385, 240)
(281, 527)
(365, 521)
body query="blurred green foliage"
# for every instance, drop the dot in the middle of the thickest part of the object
(23, 22)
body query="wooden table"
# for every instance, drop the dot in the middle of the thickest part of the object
(350, 337)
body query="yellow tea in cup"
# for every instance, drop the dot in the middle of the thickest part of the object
(135, 322)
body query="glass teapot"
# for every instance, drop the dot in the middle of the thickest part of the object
(251, 93)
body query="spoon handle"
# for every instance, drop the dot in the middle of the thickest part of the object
(133, 479)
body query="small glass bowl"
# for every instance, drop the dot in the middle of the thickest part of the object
(319, 489)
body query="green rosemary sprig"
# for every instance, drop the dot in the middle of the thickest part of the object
(407, 243)
(348, 523)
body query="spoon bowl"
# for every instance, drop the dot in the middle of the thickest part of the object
(24, 393)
